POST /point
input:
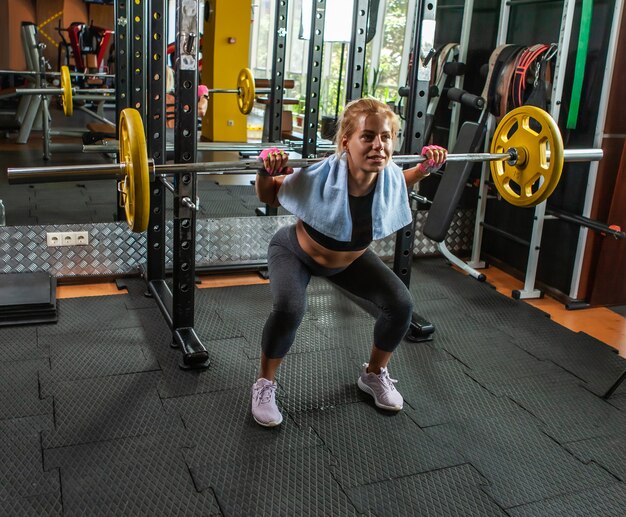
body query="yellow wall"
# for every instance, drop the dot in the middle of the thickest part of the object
(225, 46)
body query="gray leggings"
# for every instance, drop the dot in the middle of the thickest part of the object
(290, 270)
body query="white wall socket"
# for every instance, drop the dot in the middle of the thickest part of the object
(67, 238)
(81, 238)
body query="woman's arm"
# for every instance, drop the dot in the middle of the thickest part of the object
(436, 157)
(267, 185)
(267, 189)
(414, 174)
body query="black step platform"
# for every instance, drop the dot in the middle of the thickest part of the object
(27, 298)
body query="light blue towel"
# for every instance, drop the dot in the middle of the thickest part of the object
(319, 196)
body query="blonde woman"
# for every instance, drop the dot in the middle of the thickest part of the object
(342, 204)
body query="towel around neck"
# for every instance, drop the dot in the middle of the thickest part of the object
(318, 195)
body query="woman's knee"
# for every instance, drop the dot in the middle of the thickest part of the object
(291, 313)
(399, 308)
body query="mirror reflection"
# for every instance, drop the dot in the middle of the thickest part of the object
(38, 132)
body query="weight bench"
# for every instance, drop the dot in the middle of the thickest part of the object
(449, 193)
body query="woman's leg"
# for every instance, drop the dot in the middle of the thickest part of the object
(369, 278)
(289, 278)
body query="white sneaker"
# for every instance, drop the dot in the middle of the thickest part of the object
(382, 388)
(264, 409)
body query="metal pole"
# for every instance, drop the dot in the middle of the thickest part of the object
(279, 53)
(156, 141)
(194, 354)
(355, 73)
(314, 78)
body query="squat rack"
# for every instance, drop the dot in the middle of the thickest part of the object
(141, 62)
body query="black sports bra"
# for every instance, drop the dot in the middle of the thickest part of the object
(361, 213)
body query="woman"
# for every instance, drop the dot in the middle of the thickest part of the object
(342, 204)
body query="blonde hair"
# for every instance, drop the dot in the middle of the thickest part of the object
(355, 110)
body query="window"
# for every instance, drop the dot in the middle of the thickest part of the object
(385, 53)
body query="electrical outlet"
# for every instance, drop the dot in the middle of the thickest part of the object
(67, 238)
(54, 239)
(230, 123)
(81, 238)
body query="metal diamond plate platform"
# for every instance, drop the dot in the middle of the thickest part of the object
(113, 250)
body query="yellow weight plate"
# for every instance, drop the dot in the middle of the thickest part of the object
(532, 132)
(135, 186)
(245, 85)
(66, 98)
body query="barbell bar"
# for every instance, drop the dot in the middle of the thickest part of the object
(524, 166)
(66, 91)
(112, 146)
(246, 90)
(99, 75)
(64, 173)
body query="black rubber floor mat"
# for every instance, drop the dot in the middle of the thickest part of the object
(333, 306)
(491, 355)
(19, 344)
(427, 291)
(22, 475)
(158, 333)
(295, 482)
(137, 290)
(388, 446)
(130, 476)
(567, 411)
(91, 313)
(441, 392)
(49, 505)
(449, 320)
(225, 205)
(309, 337)
(19, 390)
(210, 325)
(239, 301)
(97, 353)
(319, 380)
(471, 379)
(591, 361)
(230, 368)
(108, 408)
(441, 493)
(521, 463)
(225, 433)
(608, 451)
(357, 337)
(619, 398)
(606, 501)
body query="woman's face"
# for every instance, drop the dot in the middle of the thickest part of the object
(370, 147)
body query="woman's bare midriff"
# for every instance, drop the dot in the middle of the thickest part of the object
(323, 256)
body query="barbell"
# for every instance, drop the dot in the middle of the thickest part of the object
(526, 161)
(66, 91)
(246, 90)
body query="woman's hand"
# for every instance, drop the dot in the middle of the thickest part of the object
(436, 157)
(275, 162)
(203, 100)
